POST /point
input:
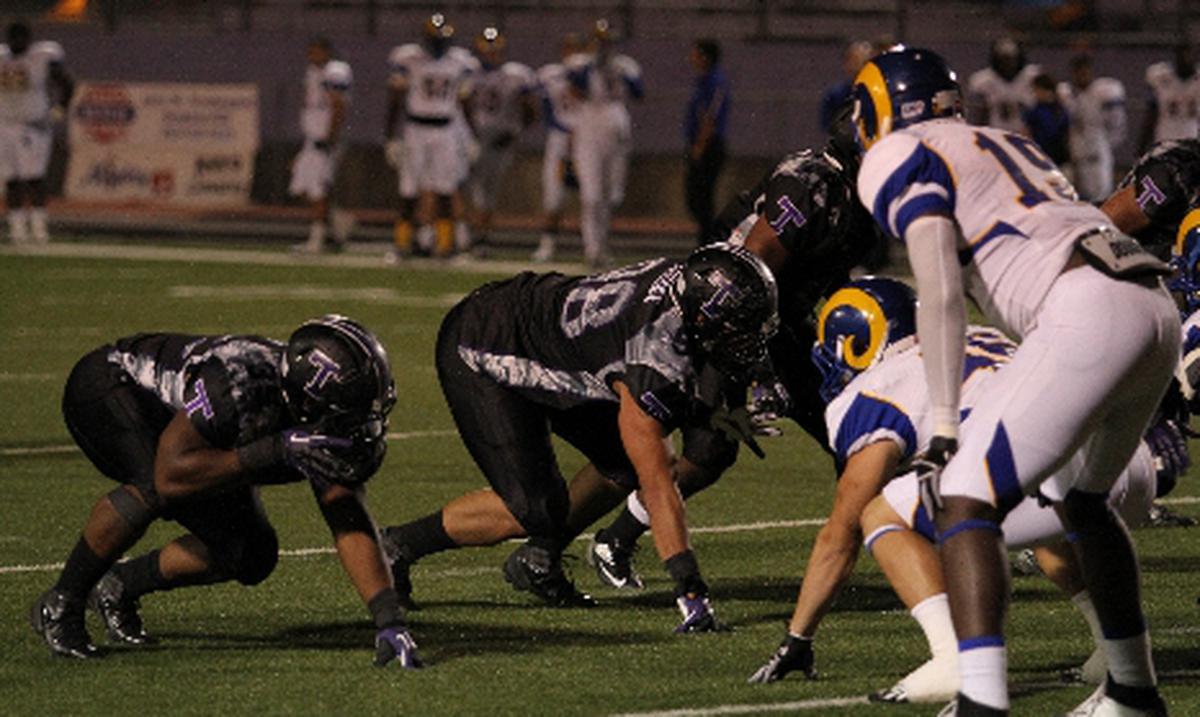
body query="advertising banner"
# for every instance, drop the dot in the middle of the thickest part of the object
(176, 143)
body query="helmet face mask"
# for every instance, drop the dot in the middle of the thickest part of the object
(730, 308)
(901, 88)
(1185, 260)
(857, 325)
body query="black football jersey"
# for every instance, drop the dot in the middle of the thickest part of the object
(228, 385)
(562, 341)
(1166, 182)
(812, 204)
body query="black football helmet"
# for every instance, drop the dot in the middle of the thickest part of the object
(730, 308)
(337, 380)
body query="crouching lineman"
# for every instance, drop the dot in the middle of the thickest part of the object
(804, 220)
(985, 209)
(879, 417)
(610, 363)
(191, 427)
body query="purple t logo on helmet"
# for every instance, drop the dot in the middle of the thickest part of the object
(327, 369)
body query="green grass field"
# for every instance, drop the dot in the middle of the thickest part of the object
(300, 643)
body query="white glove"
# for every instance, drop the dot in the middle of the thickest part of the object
(393, 151)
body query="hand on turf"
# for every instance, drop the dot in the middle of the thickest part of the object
(698, 615)
(928, 467)
(394, 644)
(794, 653)
(316, 456)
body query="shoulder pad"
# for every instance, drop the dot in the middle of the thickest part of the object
(405, 53)
(49, 49)
(1158, 73)
(627, 65)
(338, 74)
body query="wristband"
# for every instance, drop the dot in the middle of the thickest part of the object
(684, 569)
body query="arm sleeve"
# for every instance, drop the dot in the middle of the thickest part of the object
(941, 314)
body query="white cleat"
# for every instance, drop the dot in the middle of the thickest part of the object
(934, 681)
(1099, 704)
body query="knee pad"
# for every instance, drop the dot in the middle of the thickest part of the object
(137, 511)
(260, 554)
(1088, 512)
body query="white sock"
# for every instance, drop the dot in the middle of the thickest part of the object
(1083, 602)
(637, 509)
(462, 236)
(342, 222)
(984, 672)
(1129, 661)
(18, 225)
(37, 224)
(933, 615)
(594, 225)
(316, 235)
(425, 237)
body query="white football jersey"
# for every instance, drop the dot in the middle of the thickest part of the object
(24, 82)
(1005, 100)
(1097, 112)
(435, 86)
(560, 105)
(497, 98)
(1016, 211)
(333, 76)
(890, 400)
(606, 81)
(1178, 102)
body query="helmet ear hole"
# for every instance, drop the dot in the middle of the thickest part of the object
(857, 325)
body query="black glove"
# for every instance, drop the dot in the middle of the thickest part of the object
(737, 426)
(312, 455)
(794, 653)
(395, 644)
(928, 467)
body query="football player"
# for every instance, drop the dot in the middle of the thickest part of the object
(427, 88)
(879, 417)
(604, 82)
(999, 95)
(502, 104)
(1096, 106)
(612, 363)
(191, 427)
(1173, 111)
(804, 220)
(559, 107)
(1152, 199)
(985, 209)
(327, 84)
(35, 90)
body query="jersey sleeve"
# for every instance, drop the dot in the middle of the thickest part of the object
(400, 63)
(869, 419)
(903, 179)
(523, 77)
(210, 406)
(337, 76)
(631, 73)
(50, 50)
(797, 205)
(658, 396)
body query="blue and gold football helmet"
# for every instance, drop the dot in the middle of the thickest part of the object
(1185, 260)
(856, 325)
(902, 87)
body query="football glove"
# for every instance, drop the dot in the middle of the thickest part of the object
(768, 401)
(698, 615)
(794, 653)
(928, 468)
(394, 644)
(316, 456)
(1168, 445)
(737, 426)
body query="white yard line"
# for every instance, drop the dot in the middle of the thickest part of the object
(801, 705)
(363, 259)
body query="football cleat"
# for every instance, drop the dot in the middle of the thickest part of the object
(538, 571)
(964, 706)
(1025, 563)
(934, 681)
(120, 615)
(400, 564)
(613, 562)
(1099, 704)
(1092, 672)
(58, 619)
(1163, 517)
